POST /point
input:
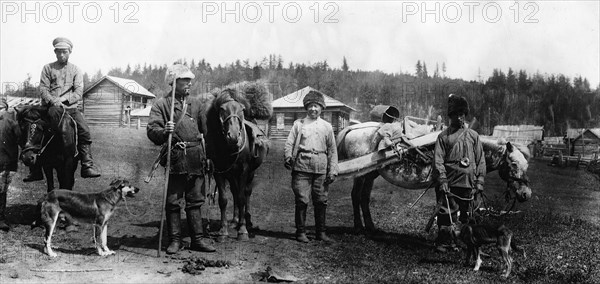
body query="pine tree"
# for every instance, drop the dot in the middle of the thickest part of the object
(444, 69)
(425, 75)
(344, 65)
(419, 69)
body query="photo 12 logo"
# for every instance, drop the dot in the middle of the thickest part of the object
(453, 12)
(254, 12)
(54, 12)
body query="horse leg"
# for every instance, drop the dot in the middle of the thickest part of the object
(49, 173)
(241, 205)
(251, 183)
(223, 233)
(366, 199)
(356, 196)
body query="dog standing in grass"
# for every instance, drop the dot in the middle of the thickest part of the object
(474, 236)
(95, 208)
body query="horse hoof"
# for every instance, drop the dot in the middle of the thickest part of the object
(243, 237)
(222, 239)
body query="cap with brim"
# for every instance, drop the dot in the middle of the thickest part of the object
(62, 43)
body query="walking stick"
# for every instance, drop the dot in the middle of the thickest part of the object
(168, 171)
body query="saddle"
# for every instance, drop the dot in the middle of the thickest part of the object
(258, 139)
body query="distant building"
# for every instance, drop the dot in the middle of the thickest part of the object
(114, 102)
(587, 143)
(289, 108)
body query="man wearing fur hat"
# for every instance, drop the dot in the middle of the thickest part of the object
(311, 154)
(61, 86)
(9, 155)
(459, 169)
(188, 157)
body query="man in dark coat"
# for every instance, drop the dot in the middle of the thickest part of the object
(459, 169)
(9, 155)
(188, 158)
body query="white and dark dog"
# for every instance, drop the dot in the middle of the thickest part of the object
(94, 208)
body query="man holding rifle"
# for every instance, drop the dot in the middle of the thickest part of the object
(61, 86)
(180, 124)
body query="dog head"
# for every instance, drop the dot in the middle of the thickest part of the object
(126, 189)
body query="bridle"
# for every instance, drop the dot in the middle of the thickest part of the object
(38, 150)
(224, 132)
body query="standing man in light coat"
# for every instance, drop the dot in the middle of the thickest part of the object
(311, 154)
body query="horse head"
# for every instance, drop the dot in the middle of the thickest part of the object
(513, 169)
(231, 117)
(34, 129)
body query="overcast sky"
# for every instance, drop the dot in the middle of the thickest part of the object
(550, 37)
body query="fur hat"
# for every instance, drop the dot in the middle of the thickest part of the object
(457, 104)
(314, 96)
(62, 43)
(177, 71)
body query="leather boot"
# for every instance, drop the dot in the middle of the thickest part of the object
(300, 221)
(35, 174)
(321, 223)
(194, 219)
(174, 231)
(3, 223)
(88, 170)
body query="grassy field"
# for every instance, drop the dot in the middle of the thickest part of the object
(559, 229)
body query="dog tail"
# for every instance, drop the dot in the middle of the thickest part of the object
(514, 245)
(37, 222)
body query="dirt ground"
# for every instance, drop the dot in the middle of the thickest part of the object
(559, 229)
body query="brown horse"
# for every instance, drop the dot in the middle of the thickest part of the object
(414, 171)
(232, 145)
(42, 147)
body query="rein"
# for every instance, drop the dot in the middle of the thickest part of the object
(244, 137)
(42, 148)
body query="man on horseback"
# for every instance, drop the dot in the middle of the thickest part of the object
(61, 86)
(311, 154)
(9, 156)
(188, 158)
(459, 169)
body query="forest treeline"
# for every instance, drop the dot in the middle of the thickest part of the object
(509, 97)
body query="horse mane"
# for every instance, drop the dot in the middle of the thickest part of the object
(227, 94)
(497, 143)
(255, 97)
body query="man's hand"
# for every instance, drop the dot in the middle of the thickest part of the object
(479, 188)
(329, 179)
(444, 188)
(57, 102)
(169, 127)
(288, 163)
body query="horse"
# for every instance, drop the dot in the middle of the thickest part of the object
(235, 154)
(42, 147)
(414, 171)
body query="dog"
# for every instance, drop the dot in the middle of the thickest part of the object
(93, 208)
(474, 236)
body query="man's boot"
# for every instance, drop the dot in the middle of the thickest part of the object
(194, 219)
(88, 170)
(300, 221)
(321, 222)
(174, 231)
(3, 222)
(35, 174)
